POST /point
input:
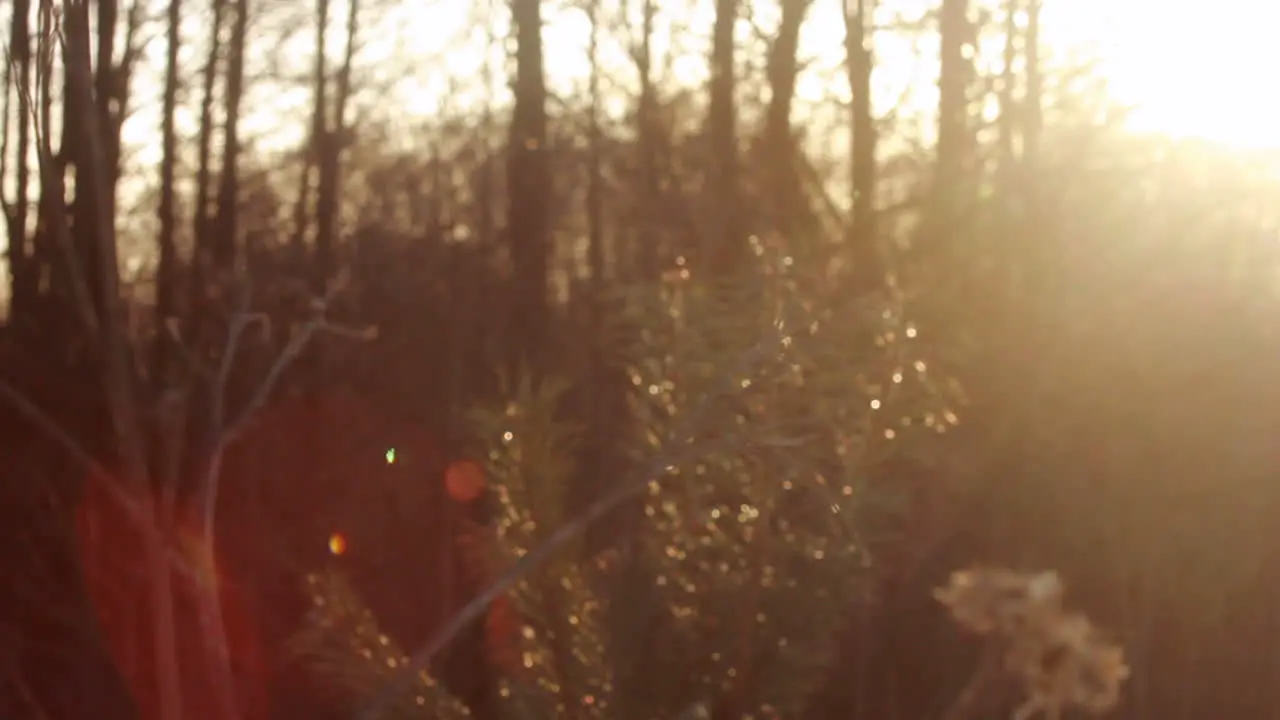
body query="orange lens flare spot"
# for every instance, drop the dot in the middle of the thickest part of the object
(337, 544)
(464, 480)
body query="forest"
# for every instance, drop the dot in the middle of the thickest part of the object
(625, 359)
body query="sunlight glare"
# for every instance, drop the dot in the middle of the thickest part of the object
(1193, 71)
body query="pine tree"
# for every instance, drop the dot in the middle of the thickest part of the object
(561, 645)
(767, 397)
(343, 641)
(752, 546)
(544, 639)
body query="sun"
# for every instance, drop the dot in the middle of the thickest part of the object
(1189, 70)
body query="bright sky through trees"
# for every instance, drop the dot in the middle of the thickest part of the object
(1196, 69)
(1191, 73)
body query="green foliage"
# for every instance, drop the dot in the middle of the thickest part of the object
(757, 547)
(342, 642)
(754, 546)
(531, 452)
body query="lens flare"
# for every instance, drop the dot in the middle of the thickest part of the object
(337, 544)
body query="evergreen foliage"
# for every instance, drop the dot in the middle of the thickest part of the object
(758, 548)
(342, 640)
(751, 551)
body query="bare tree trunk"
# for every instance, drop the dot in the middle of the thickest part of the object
(1032, 101)
(96, 183)
(953, 93)
(528, 190)
(323, 252)
(942, 232)
(202, 257)
(786, 194)
(595, 182)
(105, 80)
(224, 252)
(301, 216)
(868, 268)
(1007, 122)
(487, 183)
(597, 380)
(166, 450)
(647, 145)
(87, 247)
(166, 273)
(23, 269)
(225, 241)
(726, 246)
(331, 144)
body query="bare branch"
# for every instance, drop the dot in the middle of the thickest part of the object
(222, 433)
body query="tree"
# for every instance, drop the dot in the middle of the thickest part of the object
(529, 185)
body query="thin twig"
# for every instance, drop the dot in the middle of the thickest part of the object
(680, 449)
(223, 433)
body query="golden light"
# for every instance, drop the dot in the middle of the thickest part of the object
(1199, 72)
(337, 544)
(390, 456)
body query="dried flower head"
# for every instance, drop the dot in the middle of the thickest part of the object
(986, 600)
(1059, 657)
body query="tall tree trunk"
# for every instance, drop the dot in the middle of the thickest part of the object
(943, 232)
(863, 237)
(1008, 120)
(647, 146)
(167, 270)
(597, 381)
(595, 181)
(105, 80)
(487, 182)
(225, 254)
(225, 241)
(61, 257)
(786, 194)
(726, 246)
(332, 142)
(23, 277)
(323, 252)
(529, 191)
(1032, 101)
(95, 183)
(202, 257)
(953, 93)
(87, 245)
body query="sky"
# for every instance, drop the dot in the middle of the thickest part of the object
(1196, 69)
(1189, 71)
(1189, 74)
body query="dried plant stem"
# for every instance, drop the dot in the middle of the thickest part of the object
(966, 704)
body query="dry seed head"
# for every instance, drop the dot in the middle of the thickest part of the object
(985, 600)
(1058, 656)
